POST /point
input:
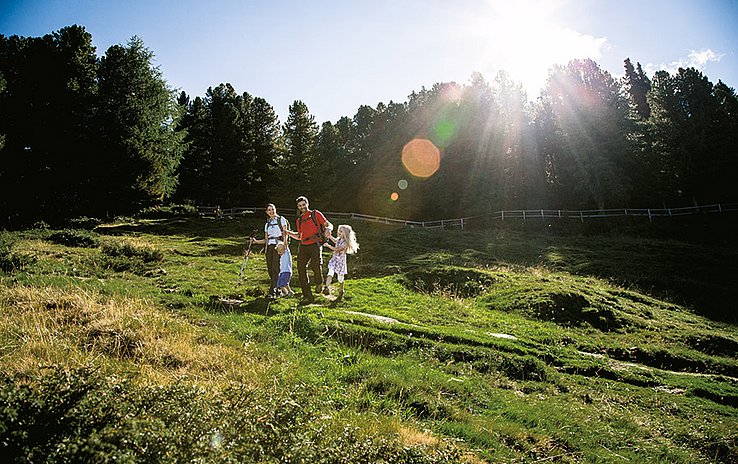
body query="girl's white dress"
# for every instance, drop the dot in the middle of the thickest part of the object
(337, 263)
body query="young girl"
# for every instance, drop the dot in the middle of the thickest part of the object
(345, 243)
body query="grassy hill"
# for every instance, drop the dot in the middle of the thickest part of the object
(134, 341)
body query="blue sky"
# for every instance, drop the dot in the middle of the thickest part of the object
(338, 55)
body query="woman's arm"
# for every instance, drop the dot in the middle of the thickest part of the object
(259, 241)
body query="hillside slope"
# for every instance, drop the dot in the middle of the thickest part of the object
(135, 341)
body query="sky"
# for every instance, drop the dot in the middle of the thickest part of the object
(338, 55)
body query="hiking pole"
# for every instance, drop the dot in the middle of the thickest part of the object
(246, 258)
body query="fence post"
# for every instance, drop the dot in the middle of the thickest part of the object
(649, 215)
(559, 214)
(462, 223)
(503, 214)
(669, 210)
(442, 227)
(720, 208)
(523, 215)
(581, 216)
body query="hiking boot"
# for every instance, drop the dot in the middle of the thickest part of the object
(307, 300)
(290, 294)
(340, 295)
(319, 288)
(326, 291)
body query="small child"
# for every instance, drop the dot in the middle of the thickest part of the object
(345, 243)
(285, 270)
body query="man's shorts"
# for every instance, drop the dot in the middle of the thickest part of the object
(284, 279)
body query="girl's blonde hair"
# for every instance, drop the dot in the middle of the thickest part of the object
(352, 246)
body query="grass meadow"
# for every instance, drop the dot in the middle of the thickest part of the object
(135, 341)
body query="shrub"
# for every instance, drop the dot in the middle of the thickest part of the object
(80, 416)
(84, 222)
(74, 238)
(168, 211)
(460, 282)
(122, 256)
(146, 253)
(11, 260)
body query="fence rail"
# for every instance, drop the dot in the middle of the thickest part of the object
(506, 215)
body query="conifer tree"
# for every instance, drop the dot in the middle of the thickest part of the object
(592, 119)
(264, 138)
(300, 137)
(637, 84)
(138, 116)
(46, 117)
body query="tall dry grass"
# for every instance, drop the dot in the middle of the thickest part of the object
(44, 326)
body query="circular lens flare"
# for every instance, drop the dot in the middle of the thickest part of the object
(402, 184)
(421, 158)
(444, 132)
(395, 196)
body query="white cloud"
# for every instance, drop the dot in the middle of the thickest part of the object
(697, 59)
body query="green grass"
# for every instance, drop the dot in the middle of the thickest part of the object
(507, 345)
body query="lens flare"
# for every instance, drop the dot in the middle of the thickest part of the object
(402, 184)
(421, 158)
(395, 196)
(444, 131)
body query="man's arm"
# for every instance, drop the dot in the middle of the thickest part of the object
(324, 224)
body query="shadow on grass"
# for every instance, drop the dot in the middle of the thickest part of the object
(236, 249)
(261, 306)
(190, 227)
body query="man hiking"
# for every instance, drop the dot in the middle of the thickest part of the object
(311, 232)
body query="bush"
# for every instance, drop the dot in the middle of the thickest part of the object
(10, 260)
(465, 283)
(75, 238)
(84, 222)
(169, 211)
(124, 256)
(80, 416)
(146, 253)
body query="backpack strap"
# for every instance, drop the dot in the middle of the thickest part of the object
(319, 236)
(279, 224)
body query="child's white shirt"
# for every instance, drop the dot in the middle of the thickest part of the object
(285, 261)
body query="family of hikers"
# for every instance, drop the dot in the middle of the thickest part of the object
(313, 232)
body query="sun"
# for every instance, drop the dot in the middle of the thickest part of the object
(525, 38)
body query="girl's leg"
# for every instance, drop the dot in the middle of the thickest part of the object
(328, 280)
(340, 290)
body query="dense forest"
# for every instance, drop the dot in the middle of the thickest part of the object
(82, 135)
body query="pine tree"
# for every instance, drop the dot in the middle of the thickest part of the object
(591, 116)
(692, 129)
(138, 116)
(195, 171)
(46, 117)
(264, 139)
(300, 137)
(637, 84)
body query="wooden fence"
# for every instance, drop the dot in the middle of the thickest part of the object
(507, 215)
